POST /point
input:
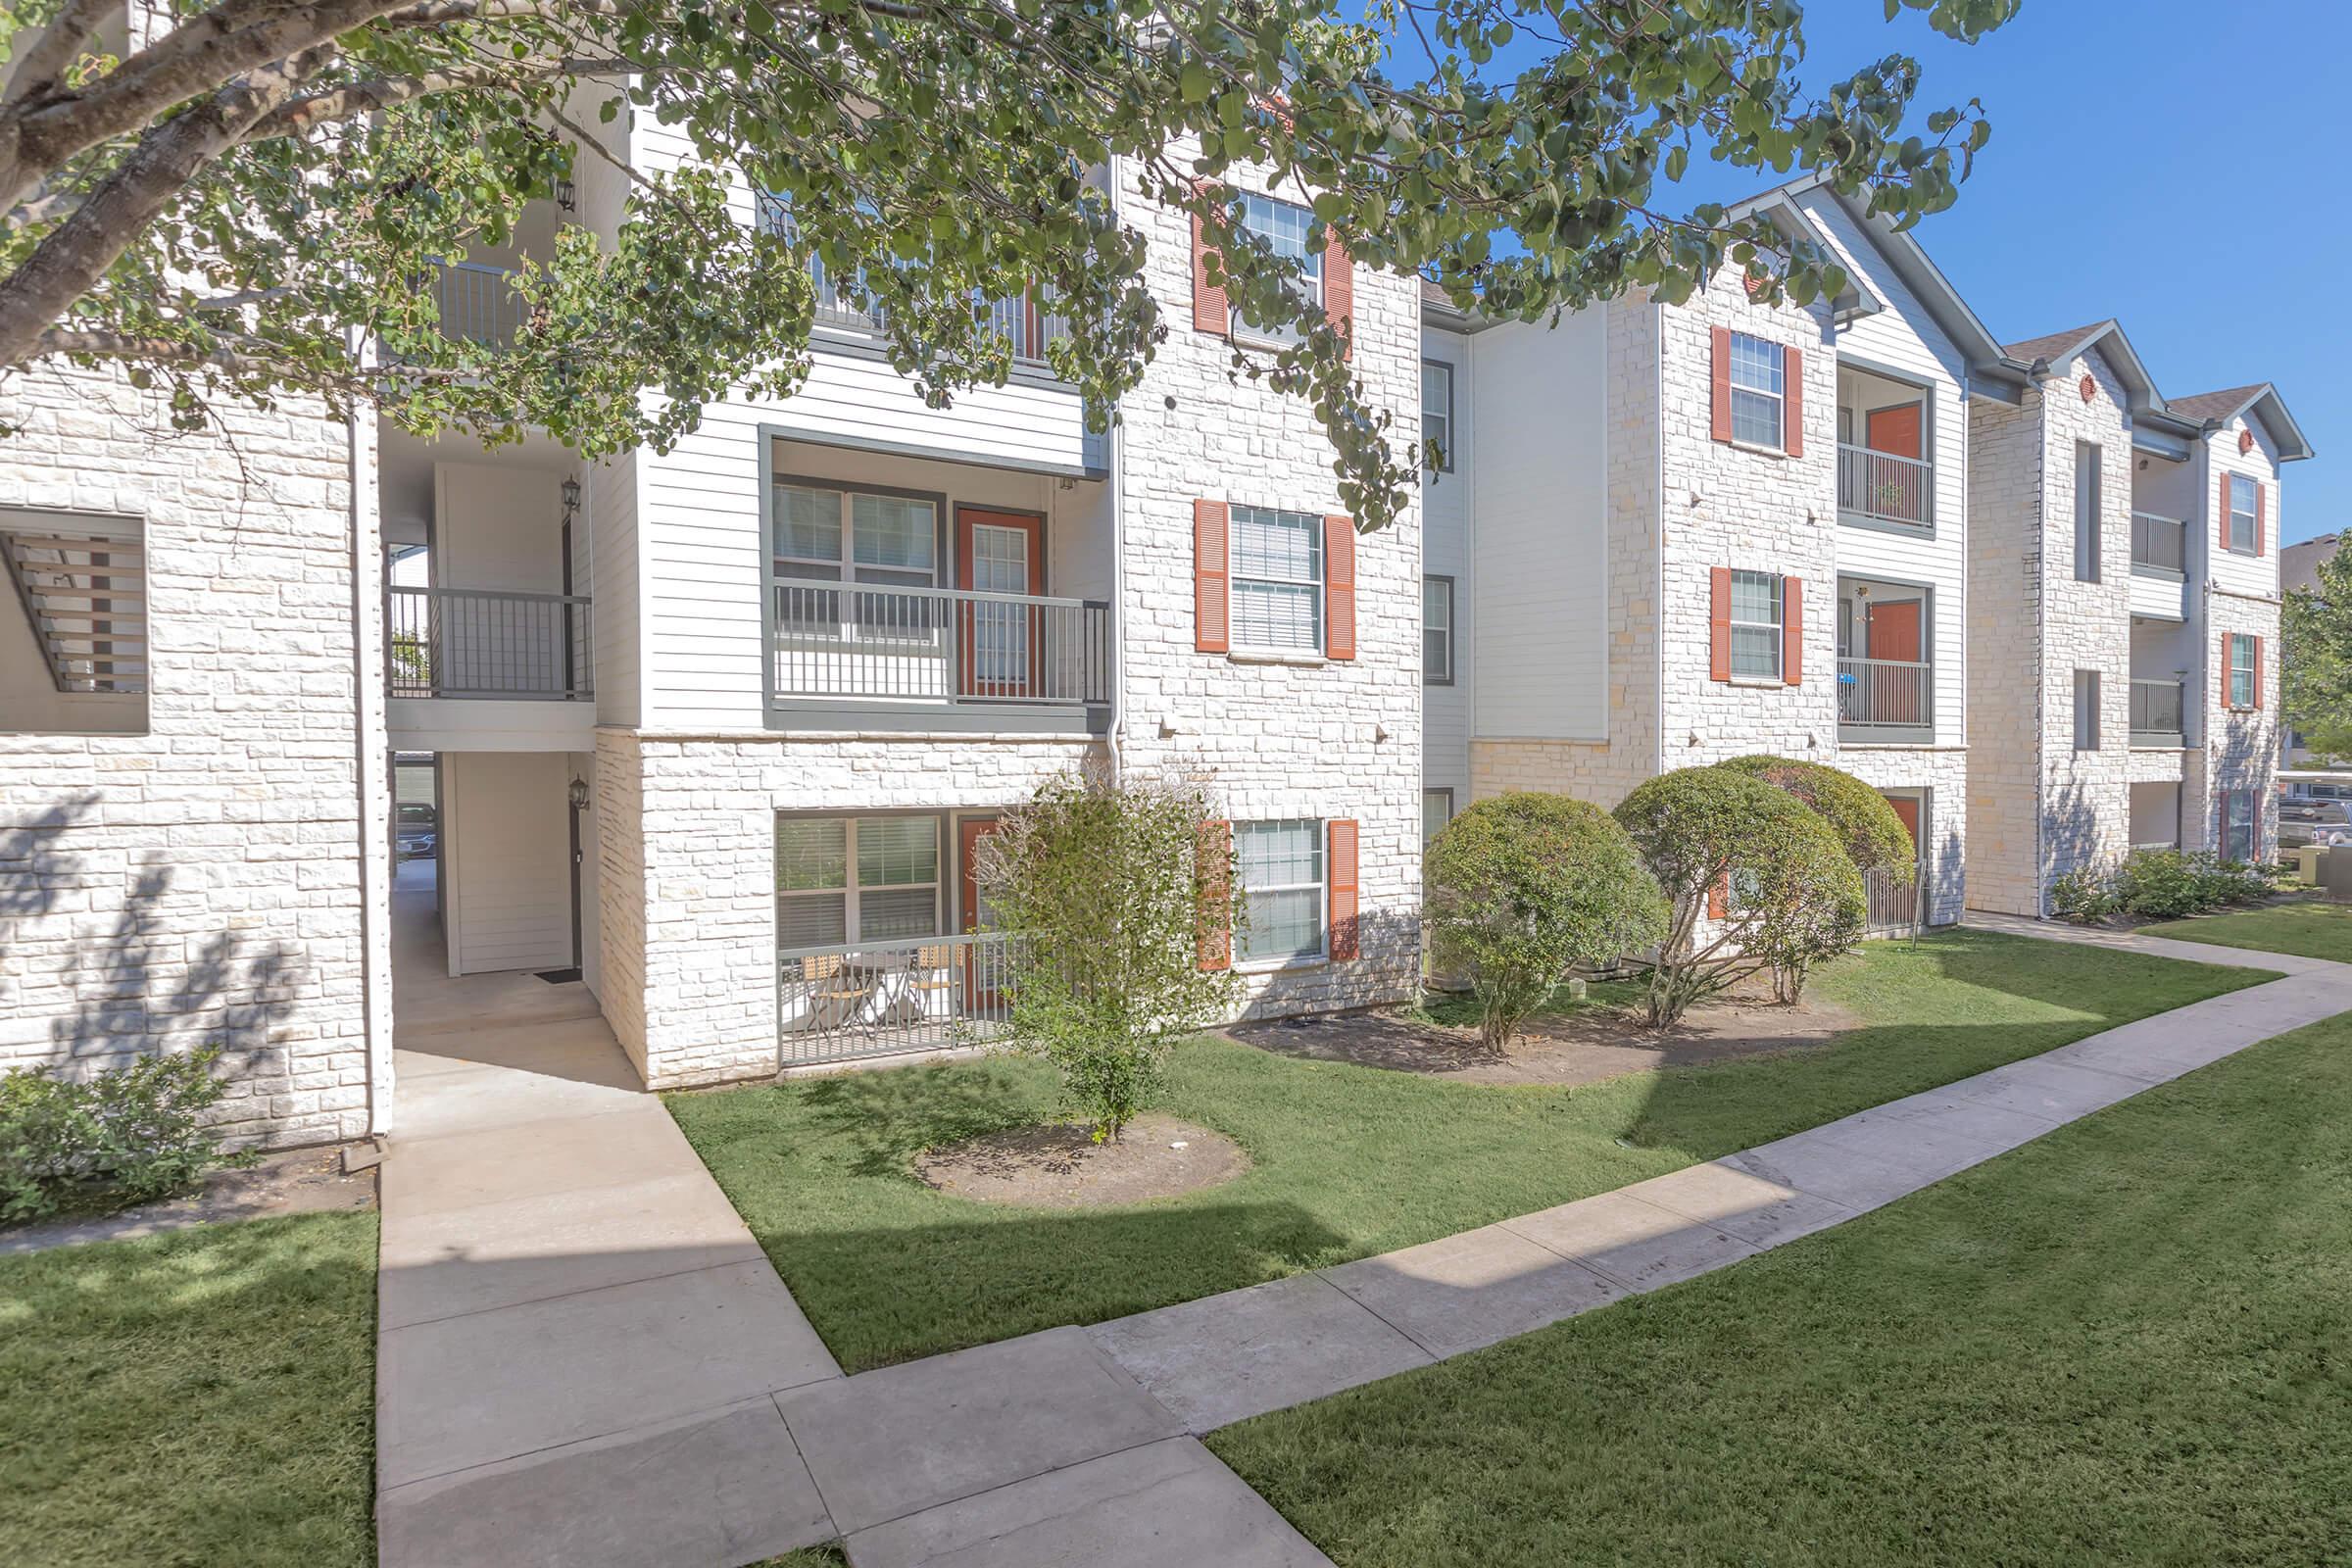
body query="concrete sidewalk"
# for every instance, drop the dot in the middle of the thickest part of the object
(659, 1400)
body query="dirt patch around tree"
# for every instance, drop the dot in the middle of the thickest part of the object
(1596, 1040)
(1062, 1167)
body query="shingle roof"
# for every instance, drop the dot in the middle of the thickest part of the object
(2214, 405)
(2037, 348)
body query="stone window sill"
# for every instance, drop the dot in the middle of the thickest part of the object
(1276, 656)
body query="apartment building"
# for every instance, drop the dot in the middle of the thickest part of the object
(1690, 533)
(2011, 586)
(711, 733)
(2126, 568)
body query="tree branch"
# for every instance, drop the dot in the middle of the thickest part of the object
(371, 97)
(44, 63)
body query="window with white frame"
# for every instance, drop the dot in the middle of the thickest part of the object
(1759, 393)
(1277, 580)
(2242, 669)
(2237, 825)
(1281, 884)
(1756, 624)
(2086, 710)
(2243, 518)
(827, 535)
(1437, 809)
(1437, 410)
(2086, 512)
(843, 879)
(1436, 632)
(1284, 229)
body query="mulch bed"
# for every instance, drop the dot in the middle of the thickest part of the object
(1063, 1167)
(1597, 1042)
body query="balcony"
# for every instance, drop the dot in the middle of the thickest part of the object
(881, 999)
(478, 304)
(927, 655)
(1885, 701)
(482, 644)
(1884, 487)
(2159, 566)
(2157, 707)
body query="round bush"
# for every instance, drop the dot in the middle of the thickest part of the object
(1874, 837)
(1523, 886)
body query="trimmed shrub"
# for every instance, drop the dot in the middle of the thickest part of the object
(1525, 886)
(124, 1136)
(1786, 892)
(1108, 887)
(1874, 837)
(2159, 885)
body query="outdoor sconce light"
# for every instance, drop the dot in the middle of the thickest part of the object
(572, 495)
(578, 794)
(567, 197)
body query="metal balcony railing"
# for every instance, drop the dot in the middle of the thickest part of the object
(937, 645)
(2158, 545)
(1883, 487)
(2156, 713)
(477, 303)
(1027, 320)
(879, 999)
(466, 642)
(1886, 700)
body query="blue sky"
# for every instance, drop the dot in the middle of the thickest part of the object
(2177, 164)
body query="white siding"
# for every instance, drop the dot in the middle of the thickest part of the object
(615, 568)
(1538, 462)
(1447, 552)
(508, 848)
(1903, 338)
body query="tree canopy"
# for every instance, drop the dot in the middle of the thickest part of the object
(2316, 625)
(227, 201)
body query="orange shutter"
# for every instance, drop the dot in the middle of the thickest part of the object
(2227, 541)
(1212, 880)
(1210, 314)
(1792, 629)
(1339, 587)
(1346, 943)
(2259, 491)
(2257, 672)
(1721, 376)
(1211, 631)
(1719, 903)
(2225, 682)
(1339, 290)
(1793, 405)
(1719, 623)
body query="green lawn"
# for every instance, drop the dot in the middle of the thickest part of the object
(2310, 930)
(2120, 1344)
(196, 1398)
(1346, 1161)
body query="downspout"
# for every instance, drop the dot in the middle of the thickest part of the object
(1116, 456)
(1657, 523)
(367, 759)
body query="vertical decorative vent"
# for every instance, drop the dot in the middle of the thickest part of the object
(83, 585)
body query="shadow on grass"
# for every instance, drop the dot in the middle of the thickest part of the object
(1346, 1161)
(204, 1396)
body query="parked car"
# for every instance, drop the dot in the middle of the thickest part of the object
(2303, 822)
(417, 833)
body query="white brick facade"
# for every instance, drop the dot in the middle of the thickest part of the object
(220, 878)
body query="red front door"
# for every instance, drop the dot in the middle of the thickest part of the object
(1000, 640)
(982, 983)
(1890, 630)
(1906, 807)
(1894, 431)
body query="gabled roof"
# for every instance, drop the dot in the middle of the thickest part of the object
(2055, 354)
(2204, 412)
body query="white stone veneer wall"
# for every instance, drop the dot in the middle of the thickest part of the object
(1310, 739)
(203, 883)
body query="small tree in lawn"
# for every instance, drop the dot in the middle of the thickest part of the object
(1759, 871)
(1874, 837)
(1106, 888)
(1525, 885)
